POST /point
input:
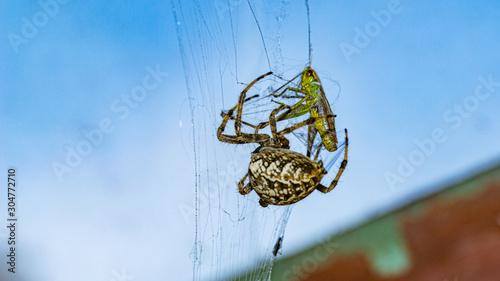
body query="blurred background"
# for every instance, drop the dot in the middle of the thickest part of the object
(109, 111)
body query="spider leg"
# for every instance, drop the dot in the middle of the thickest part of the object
(297, 109)
(272, 119)
(284, 85)
(306, 122)
(244, 138)
(317, 152)
(311, 135)
(263, 203)
(242, 122)
(225, 119)
(296, 126)
(323, 188)
(279, 136)
(240, 137)
(241, 101)
(244, 189)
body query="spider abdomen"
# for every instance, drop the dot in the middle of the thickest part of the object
(283, 177)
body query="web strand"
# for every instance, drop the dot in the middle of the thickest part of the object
(309, 32)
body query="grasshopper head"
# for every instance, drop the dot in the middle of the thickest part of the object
(309, 76)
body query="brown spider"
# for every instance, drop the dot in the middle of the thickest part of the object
(278, 175)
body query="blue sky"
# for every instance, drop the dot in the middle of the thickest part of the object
(122, 201)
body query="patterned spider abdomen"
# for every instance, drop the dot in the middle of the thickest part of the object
(283, 177)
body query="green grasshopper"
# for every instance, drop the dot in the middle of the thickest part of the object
(312, 100)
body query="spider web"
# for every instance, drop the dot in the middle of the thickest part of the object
(223, 43)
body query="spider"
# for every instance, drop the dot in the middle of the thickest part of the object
(278, 175)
